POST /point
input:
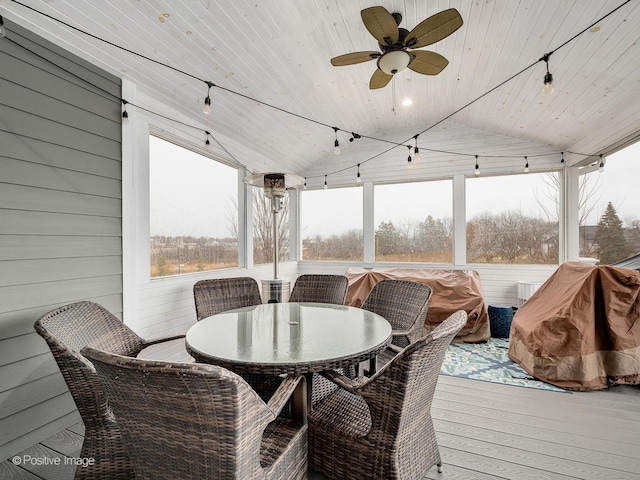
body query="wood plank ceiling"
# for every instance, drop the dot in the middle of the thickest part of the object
(278, 52)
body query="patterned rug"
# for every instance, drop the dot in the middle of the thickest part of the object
(489, 362)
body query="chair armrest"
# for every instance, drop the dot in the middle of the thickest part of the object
(399, 333)
(360, 385)
(163, 339)
(407, 336)
(293, 387)
(349, 384)
(164, 349)
(394, 348)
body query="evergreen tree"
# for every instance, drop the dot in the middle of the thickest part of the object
(611, 244)
(387, 239)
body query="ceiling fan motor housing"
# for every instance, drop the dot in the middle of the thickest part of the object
(402, 35)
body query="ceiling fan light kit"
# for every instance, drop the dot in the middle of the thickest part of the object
(394, 61)
(395, 44)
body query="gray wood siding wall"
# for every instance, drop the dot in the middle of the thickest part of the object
(60, 219)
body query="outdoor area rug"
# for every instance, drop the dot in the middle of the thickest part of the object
(489, 362)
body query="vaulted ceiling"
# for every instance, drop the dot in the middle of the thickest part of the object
(278, 95)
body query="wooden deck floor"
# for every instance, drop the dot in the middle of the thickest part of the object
(485, 431)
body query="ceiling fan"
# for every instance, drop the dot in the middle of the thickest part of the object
(397, 44)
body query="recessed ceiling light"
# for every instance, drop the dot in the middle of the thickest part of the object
(407, 102)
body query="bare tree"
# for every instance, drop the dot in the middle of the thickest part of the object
(232, 216)
(345, 246)
(263, 227)
(633, 235)
(511, 237)
(588, 196)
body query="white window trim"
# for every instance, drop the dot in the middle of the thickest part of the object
(459, 188)
(135, 200)
(370, 222)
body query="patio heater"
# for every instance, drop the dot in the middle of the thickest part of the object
(275, 188)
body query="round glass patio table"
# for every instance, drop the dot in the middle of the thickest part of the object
(277, 338)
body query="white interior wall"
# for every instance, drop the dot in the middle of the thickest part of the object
(499, 282)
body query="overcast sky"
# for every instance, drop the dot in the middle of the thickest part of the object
(189, 193)
(205, 190)
(619, 185)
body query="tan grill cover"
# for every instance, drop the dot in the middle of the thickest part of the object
(581, 330)
(452, 290)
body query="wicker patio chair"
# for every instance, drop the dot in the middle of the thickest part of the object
(219, 294)
(320, 289)
(404, 305)
(197, 421)
(381, 427)
(67, 330)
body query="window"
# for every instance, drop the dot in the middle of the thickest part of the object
(513, 219)
(331, 224)
(413, 222)
(263, 228)
(193, 211)
(609, 222)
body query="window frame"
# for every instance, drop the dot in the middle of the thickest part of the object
(452, 182)
(300, 239)
(189, 147)
(136, 198)
(587, 166)
(561, 216)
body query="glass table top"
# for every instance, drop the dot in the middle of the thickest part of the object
(288, 333)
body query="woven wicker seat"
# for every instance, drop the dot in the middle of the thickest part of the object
(381, 427)
(404, 305)
(197, 421)
(67, 330)
(220, 294)
(320, 288)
